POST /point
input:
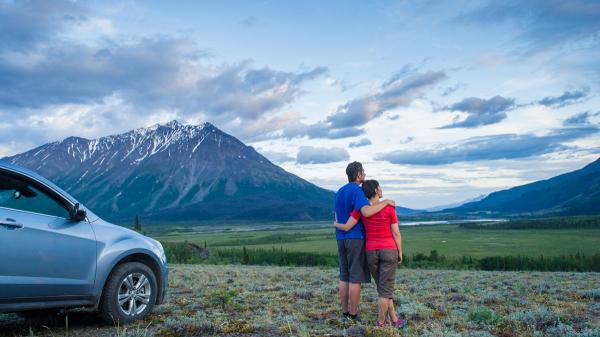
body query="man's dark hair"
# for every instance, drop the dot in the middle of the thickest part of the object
(352, 171)
(370, 188)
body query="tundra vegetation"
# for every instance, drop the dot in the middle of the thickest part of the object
(238, 300)
(282, 281)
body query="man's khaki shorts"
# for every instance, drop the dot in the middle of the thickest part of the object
(383, 264)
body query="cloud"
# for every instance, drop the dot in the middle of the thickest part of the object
(452, 89)
(544, 24)
(319, 130)
(481, 111)
(562, 35)
(28, 23)
(42, 68)
(406, 70)
(321, 155)
(407, 140)
(400, 90)
(360, 143)
(393, 94)
(249, 21)
(567, 98)
(277, 157)
(156, 73)
(579, 119)
(504, 146)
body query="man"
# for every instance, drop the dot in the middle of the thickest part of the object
(351, 244)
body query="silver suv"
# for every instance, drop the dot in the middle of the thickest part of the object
(56, 253)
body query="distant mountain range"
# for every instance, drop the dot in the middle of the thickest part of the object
(573, 193)
(407, 211)
(177, 173)
(454, 205)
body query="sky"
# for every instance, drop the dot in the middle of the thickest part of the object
(441, 101)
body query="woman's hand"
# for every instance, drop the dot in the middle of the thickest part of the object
(400, 258)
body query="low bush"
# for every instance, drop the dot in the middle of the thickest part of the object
(484, 316)
(183, 252)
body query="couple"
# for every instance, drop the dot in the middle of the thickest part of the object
(368, 239)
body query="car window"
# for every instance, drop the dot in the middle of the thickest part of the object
(19, 195)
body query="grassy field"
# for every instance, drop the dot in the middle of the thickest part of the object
(449, 240)
(231, 300)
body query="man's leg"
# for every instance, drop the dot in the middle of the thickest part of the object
(344, 296)
(358, 272)
(344, 276)
(355, 290)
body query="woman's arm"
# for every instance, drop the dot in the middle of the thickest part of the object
(398, 239)
(348, 226)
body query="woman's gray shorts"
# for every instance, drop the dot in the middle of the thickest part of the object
(383, 264)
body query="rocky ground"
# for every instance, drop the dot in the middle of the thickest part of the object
(291, 301)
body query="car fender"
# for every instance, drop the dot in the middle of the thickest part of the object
(116, 252)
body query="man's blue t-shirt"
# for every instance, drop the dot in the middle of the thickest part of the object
(347, 198)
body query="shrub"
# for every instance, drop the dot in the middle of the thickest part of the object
(484, 316)
(188, 326)
(415, 311)
(490, 299)
(561, 330)
(481, 333)
(538, 319)
(595, 332)
(221, 297)
(593, 294)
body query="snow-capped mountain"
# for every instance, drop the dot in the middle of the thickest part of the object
(175, 172)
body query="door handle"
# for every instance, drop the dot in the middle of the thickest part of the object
(11, 224)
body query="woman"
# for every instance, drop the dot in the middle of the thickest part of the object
(384, 250)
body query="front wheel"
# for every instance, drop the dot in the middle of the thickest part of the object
(129, 294)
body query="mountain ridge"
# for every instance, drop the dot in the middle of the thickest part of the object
(176, 172)
(572, 193)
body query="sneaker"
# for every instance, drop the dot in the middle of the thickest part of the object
(400, 323)
(353, 318)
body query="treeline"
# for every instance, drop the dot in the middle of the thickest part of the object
(182, 252)
(576, 222)
(577, 262)
(277, 238)
(274, 256)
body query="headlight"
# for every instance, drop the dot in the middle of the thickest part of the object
(163, 256)
(159, 250)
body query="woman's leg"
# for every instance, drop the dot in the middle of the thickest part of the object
(392, 311)
(382, 310)
(389, 262)
(374, 262)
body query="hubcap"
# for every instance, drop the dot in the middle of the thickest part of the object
(134, 294)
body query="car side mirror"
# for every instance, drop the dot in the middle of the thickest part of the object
(77, 213)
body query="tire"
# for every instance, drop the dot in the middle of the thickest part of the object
(126, 283)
